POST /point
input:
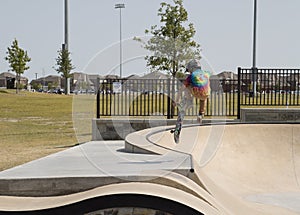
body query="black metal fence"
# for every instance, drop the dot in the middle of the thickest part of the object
(153, 97)
(269, 87)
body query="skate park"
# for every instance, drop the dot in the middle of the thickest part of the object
(217, 168)
(223, 166)
(243, 158)
(247, 164)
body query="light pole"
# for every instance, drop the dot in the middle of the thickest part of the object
(254, 69)
(120, 6)
(65, 46)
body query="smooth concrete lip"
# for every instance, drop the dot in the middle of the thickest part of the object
(27, 204)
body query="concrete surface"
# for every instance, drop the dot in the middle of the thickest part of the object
(118, 127)
(237, 169)
(254, 168)
(285, 115)
(83, 167)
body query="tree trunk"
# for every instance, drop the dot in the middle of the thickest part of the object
(18, 82)
(66, 85)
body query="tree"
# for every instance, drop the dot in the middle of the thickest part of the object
(171, 43)
(64, 65)
(17, 59)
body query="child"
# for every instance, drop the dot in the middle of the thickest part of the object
(196, 84)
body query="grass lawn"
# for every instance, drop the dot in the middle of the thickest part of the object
(33, 125)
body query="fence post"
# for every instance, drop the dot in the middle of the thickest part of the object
(169, 100)
(98, 104)
(239, 94)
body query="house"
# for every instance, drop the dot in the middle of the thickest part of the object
(151, 82)
(155, 75)
(228, 82)
(227, 75)
(83, 81)
(8, 80)
(133, 77)
(50, 81)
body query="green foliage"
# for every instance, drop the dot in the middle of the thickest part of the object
(180, 75)
(50, 86)
(37, 86)
(64, 63)
(21, 86)
(17, 59)
(171, 43)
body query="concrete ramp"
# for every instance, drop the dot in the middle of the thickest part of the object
(215, 169)
(259, 165)
(253, 168)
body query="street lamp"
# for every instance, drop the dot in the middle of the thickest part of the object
(65, 46)
(254, 69)
(120, 6)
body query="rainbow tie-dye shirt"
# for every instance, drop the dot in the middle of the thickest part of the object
(198, 81)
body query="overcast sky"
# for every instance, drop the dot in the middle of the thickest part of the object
(223, 29)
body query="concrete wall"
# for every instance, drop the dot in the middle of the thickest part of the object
(270, 115)
(118, 129)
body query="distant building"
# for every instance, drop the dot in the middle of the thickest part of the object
(8, 80)
(228, 75)
(50, 81)
(133, 77)
(228, 81)
(82, 81)
(155, 75)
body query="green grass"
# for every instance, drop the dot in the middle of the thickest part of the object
(33, 125)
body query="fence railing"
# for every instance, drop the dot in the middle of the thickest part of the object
(153, 97)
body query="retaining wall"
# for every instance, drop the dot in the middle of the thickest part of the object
(118, 129)
(270, 115)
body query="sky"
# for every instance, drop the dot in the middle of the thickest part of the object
(224, 29)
